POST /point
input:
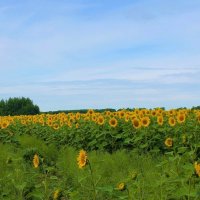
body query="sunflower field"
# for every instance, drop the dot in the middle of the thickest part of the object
(141, 154)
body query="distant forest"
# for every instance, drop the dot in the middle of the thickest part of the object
(18, 106)
(25, 106)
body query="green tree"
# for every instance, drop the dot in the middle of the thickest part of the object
(18, 106)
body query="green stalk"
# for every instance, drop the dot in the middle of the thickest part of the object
(92, 176)
(129, 196)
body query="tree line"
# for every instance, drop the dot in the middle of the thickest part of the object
(18, 106)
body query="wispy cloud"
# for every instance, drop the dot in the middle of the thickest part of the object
(121, 51)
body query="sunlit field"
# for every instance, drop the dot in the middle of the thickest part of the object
(141, 154)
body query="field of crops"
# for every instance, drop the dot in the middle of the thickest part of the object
(141, 154)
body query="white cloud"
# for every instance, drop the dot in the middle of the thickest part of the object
(75, 54)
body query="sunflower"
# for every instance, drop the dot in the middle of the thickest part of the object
(82, 159)
(136, 111)
(77, 125)
(56, 194)
(159, 111)
(136, 123)
(78, 115)
(107, 113)
(113, 122)
(49, 122)
(153, 112)
(147, 112)
(36, 161)
(171, 112)
(143, 112)
(69, 124)
(90, 112)
(197, 168)
(145, 121)
(94, 118)
(181, 118)
(169, 142)
(172, 121)
(100, 120)
(127, 117)
(160, 120)
(121, 186)
(4, 124)
(56, 126)
(121, 114)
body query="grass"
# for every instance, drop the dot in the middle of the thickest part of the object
(145, 176)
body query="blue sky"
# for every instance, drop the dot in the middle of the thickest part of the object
(101, 53)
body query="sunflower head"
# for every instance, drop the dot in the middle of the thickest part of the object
(100, 120)
(160, 120)
(127, 117)
(90, 112)
(169, 142)
(121, 186)
(136, 123)
(4, 124)
(56, 194)
(181, 118)
(77, 125)
(197, 168)
(36, 161)
(145, 121)
(172, 121)
(121, 114)
(153, 112)
(82, 159)
(78, 115)
(113, 122)
(56, 126)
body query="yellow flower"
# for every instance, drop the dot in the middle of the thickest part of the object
(121, 186)
(169, 142)
(127, 117)
(197, 168)
(172, 121)
(153, 112)
(4, 124)
(78, 115)
(82, 159)
(56, 126)
(90, 112)
(113, 122)
(181, 118)
(36, 161)
(160, 120)
(77, 125)
(56, 194)
(100, 120)
(145, 121)
(121, 114)
(136, 123)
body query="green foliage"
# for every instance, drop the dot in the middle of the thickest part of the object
(80, 111)
(148, 167)
(18, 106)
(168, 176)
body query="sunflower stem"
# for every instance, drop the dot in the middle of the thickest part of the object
(92, 176)
(129, 196)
